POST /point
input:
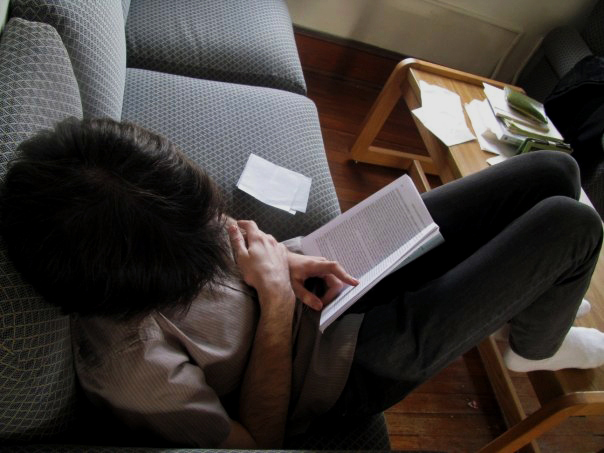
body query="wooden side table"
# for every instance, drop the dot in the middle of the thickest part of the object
(562, 393)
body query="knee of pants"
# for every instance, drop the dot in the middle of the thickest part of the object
(561, 168)
(577, 219)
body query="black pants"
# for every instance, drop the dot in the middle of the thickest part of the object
(518, 248)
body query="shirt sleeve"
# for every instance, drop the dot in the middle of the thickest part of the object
(294, 244)
(153, 385)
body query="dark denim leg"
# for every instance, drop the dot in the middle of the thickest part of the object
(473, 210)
(518, 247)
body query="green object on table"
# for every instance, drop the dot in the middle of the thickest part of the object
(525, 105)
(534, 144)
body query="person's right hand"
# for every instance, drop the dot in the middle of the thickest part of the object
(302, 267)
(262, 260)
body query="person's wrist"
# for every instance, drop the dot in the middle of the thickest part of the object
(276, 295)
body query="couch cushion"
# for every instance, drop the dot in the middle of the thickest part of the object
(248, 42)
(219, 124)
(564, 48)
(93, 33)
(37, 381)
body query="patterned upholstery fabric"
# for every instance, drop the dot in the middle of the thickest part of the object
(209, 120)
(564, 48)
(37, 382)
(241, 41)
(212, 120)
(539, 79)
(593, 31)
(561, 49)
(93, 33)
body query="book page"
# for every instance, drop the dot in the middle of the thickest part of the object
(429, 238)
(372, 238)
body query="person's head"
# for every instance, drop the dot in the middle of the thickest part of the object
(107, 218)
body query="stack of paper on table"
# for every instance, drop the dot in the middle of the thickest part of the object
(513, 126)
(502, 130)
(484, 122)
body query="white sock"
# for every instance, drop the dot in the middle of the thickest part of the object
(582, 347)
(503, 333)
(584, 308)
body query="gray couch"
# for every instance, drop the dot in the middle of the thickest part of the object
(221, 79)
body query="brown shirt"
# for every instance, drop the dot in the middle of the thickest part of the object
(170, 374)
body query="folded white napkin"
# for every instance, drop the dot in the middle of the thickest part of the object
(274, 185)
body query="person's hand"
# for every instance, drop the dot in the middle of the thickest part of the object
(302, 267)
(261, 259)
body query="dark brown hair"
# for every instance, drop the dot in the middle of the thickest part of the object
(107, 218)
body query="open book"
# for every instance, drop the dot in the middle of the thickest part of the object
(382, 233)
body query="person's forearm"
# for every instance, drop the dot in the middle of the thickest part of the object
(267, 382)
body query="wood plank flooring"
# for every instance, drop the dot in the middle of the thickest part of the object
(456, 410)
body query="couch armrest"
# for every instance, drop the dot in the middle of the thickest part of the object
(564, 48)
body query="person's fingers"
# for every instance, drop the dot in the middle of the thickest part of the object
(306, 296)
(248, 227)
(252, 233)
(237, 241)
(335, 268)
(334, 287)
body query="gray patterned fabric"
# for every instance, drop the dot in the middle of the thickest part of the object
(561, 49)
(539, 79)
(37, 381)
(93, 33)
(241, 41)
(219, 124)
(564, 48)
(593, 31)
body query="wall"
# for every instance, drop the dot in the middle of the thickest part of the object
(3, 12)
(493, 38)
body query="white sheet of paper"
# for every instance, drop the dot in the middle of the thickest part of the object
(301, 199)
(442, 113)
(482, 119)
(447, 126)
(274, 185)
(435, 97)
(496, 160)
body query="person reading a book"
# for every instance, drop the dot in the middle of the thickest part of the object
(200, 329)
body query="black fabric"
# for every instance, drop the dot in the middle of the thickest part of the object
(524, 255)
(576, 106)
(350, 433)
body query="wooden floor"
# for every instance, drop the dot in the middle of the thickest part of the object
(455, 411)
